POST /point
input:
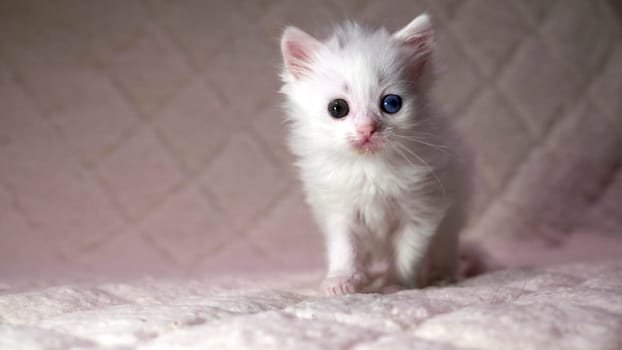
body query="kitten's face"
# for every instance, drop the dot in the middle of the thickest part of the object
(355, 92)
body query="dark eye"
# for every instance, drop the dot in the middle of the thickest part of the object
(391, 103)
(338, 108)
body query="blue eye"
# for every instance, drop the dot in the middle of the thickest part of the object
(391, 103)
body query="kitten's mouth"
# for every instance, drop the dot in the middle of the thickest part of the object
(367, 145)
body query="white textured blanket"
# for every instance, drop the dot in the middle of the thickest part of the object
(575, 306)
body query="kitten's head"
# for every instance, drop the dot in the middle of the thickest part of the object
(357, 92)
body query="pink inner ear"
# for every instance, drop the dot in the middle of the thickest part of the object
(296, 51)
(421, 42)
(298, 58)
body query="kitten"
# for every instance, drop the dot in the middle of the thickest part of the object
(380, 167)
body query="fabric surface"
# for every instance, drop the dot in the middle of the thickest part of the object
(576, 306)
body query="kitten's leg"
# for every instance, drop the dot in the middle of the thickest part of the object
(345, 260)
(411, 265)
(427, 253)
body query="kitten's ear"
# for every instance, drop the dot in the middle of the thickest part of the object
(297, 48)
(418, 34)
(418, 38)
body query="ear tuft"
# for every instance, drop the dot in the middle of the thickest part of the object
(418, 39)
(418, 34)
(297, 48)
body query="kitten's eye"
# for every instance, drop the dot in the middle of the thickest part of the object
(338, 108)
(391, 103)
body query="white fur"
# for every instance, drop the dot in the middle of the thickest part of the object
(400, 202)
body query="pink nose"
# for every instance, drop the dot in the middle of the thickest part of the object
(366, 130)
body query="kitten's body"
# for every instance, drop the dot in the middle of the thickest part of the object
(394, 193)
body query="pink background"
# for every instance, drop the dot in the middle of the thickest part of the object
(145, 136)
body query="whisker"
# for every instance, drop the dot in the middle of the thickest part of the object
(429, 167)
(401, 154)
(418, 140)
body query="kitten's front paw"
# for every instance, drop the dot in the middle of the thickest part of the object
(474, 260)
(343, 284)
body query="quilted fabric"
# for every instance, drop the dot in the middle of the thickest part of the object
(575, 306)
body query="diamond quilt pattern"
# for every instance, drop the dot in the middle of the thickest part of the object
(146, 136)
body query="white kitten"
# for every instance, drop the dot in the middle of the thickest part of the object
(379, 165)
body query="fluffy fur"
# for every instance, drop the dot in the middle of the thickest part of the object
(395, 194)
